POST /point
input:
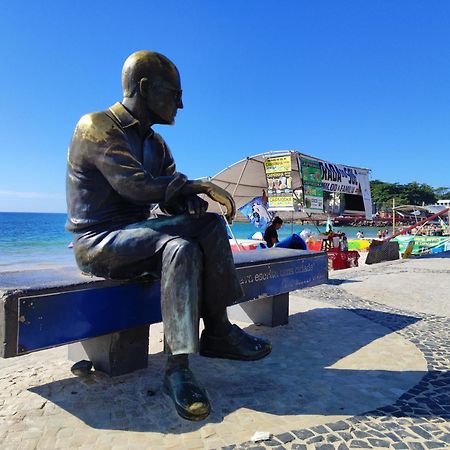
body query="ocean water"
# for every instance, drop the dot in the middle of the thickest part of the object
(39, 239)
(29, 239)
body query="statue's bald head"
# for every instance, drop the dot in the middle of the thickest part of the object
(146, 64)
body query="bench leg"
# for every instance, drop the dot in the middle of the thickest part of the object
(116, 353)
(269, 311)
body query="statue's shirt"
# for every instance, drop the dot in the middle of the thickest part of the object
(113, 174)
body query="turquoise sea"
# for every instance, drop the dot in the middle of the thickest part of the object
(30, 239)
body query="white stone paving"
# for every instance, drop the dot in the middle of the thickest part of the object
(341, 361)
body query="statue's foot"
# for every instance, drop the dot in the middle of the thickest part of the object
(189, 397)
(237, 344)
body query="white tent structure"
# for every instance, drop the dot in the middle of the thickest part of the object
(246, 179)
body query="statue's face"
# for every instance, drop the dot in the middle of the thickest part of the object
(164, 97)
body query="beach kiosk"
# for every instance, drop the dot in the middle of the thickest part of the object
(298, 187)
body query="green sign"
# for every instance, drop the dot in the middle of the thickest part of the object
(312, 185)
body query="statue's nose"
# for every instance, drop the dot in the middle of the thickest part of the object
(180, 104)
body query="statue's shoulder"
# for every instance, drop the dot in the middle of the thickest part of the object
(97, 120)
(94, 125)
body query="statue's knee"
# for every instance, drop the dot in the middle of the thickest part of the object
(214, 220)
(186, 248)
(213, 217)
(192, 249)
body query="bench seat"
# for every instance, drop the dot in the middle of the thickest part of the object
(42, 308)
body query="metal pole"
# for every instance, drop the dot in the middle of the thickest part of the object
(240, 177)
(393, 216)
(230, 230)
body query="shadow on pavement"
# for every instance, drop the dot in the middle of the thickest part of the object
(339, 281)
(296, 379)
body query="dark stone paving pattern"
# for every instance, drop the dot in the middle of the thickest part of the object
(418, 420)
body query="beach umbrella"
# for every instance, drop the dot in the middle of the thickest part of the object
(246, 179)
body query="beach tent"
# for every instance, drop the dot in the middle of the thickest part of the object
(246, 179)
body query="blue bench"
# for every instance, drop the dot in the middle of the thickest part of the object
(43, 308)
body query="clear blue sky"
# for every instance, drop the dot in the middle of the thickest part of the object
(364, 83)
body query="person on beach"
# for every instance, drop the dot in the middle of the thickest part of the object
(271, 233)
(118, 167)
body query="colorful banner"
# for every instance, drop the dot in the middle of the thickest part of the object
(312, 185)
(279, 181)
(424, 245)
(364, 185)
(339, 178)
(257, 213)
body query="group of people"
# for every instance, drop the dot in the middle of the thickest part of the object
(429, 230)
(382, 234)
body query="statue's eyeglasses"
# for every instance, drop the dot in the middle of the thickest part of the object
(177, 93)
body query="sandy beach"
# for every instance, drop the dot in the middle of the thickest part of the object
(363, 363)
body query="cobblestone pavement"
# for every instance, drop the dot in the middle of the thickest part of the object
(346, 373)
(420, 418)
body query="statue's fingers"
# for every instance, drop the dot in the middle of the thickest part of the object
(232, 208)
(197, 206)
(230, 212)
(203, 206)
(191, 206)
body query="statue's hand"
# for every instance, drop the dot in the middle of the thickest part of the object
(196, 206)
(223, 197)
(214, 192)
(190, 204)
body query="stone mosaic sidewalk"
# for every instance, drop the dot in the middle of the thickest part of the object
(418, 420)
(346, 372)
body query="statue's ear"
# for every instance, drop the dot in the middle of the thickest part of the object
(143, 87)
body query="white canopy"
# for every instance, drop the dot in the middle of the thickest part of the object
(246, 179)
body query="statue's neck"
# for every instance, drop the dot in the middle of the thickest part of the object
(138, 110)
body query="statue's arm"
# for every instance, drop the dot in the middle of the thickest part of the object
(129, 178)
(214, 192)
(188, 194)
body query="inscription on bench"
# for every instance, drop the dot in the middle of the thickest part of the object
(270, 279)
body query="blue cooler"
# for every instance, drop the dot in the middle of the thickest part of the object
(294, 241)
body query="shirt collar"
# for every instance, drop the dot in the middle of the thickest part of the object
(123, 115)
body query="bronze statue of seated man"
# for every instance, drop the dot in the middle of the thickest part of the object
(118, 167)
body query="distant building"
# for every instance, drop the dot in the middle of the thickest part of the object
(445, 203)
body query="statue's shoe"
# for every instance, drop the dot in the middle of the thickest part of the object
(189, 397)
(237, 344)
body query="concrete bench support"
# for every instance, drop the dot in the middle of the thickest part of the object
(270, 311)
(125, 351)
(116, 353)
